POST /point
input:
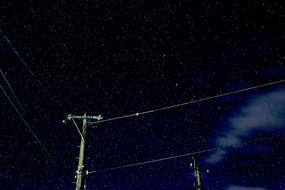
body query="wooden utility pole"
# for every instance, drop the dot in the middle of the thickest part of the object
(197, 174)
(81, 169)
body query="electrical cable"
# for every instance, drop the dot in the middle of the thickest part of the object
(183, 155)
(190, 102)
(31, 130)
(25, 122)
(157, 160)
(21, 59)
(168, 158)
(5, 38)
(13, 93)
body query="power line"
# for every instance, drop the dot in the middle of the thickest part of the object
(163, 159)
(32, 132)
(154, 161)
(21, 59)
(183, 155)
(2, 35)
(11, 89)
(25, 122)
(157, 160)
(190, 102)
(43, 88)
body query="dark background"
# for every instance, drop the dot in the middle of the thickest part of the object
(121, 57)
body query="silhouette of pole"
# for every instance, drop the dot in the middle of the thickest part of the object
(197, 174)
(81, 168)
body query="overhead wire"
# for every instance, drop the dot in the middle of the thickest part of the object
(157, 160)
(38, 81)
(31, 130)
(135, 114)
(21, 58)
(6, 39)
(198, 140)
(25, 122)
(182, 155)
(175, 106)
(189, 102)
(12, 91)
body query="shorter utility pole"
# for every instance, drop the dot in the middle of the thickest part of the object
(197, 174)
(81, 169)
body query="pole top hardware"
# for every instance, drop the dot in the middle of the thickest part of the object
(70, 117)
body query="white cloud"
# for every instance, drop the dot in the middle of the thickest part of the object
(264, 113)
(235, 187)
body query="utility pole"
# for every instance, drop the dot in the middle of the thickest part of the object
(81, 169)
(197, 174)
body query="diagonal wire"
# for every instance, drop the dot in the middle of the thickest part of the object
(159, 160)
(78, 129)
(190, 102)
(26, 123)
(198, 140)
(184, 155)
(33, 133)
(21, 59)
(5, 38)
(11, 89)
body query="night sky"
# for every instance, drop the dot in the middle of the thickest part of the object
(122, 57)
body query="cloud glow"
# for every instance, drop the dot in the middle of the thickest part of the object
(235, 187)
(264, 113)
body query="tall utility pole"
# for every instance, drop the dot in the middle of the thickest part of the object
(81, 169)
(197, 174)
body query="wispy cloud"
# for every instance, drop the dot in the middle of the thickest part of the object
(264, 113)
(235, 187)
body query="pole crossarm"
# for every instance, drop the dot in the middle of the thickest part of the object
(89, 117)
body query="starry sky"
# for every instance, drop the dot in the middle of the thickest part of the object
(122, 57)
